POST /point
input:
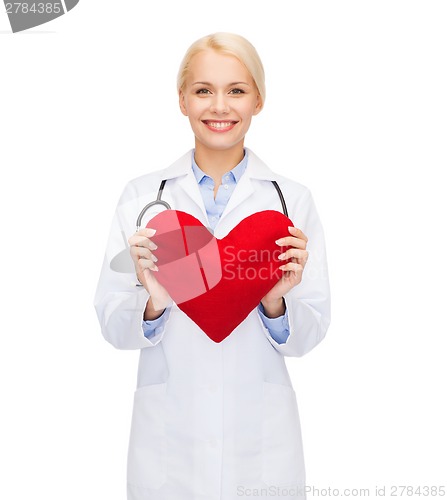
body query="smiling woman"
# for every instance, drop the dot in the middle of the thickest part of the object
(214, 413)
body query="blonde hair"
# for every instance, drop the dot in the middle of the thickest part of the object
(230, 44)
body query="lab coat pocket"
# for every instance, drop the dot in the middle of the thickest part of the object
(147, 461)
(282, 449)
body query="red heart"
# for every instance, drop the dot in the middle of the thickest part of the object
(218, 282)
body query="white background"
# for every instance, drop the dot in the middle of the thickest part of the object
(356, 110)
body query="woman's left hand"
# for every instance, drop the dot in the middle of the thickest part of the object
(293, 271)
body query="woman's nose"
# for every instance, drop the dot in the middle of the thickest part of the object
(219, 104)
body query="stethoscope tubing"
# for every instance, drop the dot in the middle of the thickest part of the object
(159, 201)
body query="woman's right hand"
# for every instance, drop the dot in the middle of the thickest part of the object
(141, 251)
(141, 248)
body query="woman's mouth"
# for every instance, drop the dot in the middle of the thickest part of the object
(219, 126)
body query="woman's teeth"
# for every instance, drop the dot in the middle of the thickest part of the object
(219, 124)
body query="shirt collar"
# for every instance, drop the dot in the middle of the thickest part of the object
(237, 171)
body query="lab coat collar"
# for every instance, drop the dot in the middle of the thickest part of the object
(256, 168)
(182, 169)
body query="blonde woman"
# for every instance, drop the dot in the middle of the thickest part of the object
(216, 419)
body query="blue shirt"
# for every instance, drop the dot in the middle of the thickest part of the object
(277, 327)
(215, 206)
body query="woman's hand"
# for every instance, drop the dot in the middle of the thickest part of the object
(141, 251)
(273, 302)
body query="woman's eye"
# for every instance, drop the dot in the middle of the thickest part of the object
(237, 91)
(202, 91)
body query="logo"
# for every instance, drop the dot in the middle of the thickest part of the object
(28, 14)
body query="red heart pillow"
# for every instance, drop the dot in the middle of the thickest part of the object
(218, 282)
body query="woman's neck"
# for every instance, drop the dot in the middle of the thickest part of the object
(215, 163)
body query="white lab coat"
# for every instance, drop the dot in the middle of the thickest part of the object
(214, 421)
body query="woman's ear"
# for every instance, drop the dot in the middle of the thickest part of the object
(181, 99)
(258, 105)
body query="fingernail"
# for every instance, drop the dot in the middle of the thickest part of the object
(282, 268)
(282, 256)
(279, 242)
(152, 231)
(290, 228)
(154, 258)
(155, 268)
(152, 246)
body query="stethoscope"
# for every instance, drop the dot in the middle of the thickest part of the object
(159, 201)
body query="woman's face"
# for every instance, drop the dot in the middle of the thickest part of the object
(220, 97)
